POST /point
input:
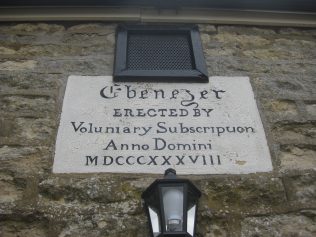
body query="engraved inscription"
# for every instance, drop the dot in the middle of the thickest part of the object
(146, 127)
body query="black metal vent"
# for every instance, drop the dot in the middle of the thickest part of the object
(159, 53)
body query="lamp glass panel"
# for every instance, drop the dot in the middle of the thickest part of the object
(173, 208)
(191, 220)
(154, 219)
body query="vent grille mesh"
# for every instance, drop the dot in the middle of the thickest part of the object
(159, 52)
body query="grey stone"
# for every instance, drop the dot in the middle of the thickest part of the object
(297, 158)
(29, 28)
(78, 65)
(18, 65)
(297, 31)
(301, 188)
(311, 109)
(245, 194)
(294, 132)
(279, 226)
(21, 83)
(25, 229)
(28, 105)
(247, 30)
(206, 28)
(102, 29)
(30, 131)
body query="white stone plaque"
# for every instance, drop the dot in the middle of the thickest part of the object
(197, 128)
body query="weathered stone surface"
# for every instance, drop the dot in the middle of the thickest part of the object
(17, 83)
(279, 86)
(247, 194)
(241, 41)
(287, 107)
(297, 158)
(12, 152)
(30, 131)
(296, 224)
(247, 30)
(213, 227)
(23, 162)
(291, 132)
(120, 227)
(79, 65)
(301, 188)
(18, 65)
(30, 105)
(9, 192)
(89, 39)
(297, 31)
(102, 29)
(241, 66)
(35, 62)
(97, 189)
(311, 109)
(6, 127)
(206, 28)
(4, 50)
(25, 229)
(27, 28)
(300, 48)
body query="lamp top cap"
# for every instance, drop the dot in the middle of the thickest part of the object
(170, 173)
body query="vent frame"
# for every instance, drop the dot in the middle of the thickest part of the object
(198, 73)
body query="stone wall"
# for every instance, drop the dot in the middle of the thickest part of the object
(35, 62)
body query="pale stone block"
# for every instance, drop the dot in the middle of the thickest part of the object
(196, 128)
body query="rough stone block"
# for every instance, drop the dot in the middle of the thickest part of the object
(236, 66)
(16, 152)
(117, 226)
(11, 39)
(296, 224)
(89, 39)
(297, 158)
(24, 162)
(103, 190)
(9, 192)
(78, 65)
(294, 48)
(301, 188)
(25, 229)
(272, 54)
(28, 105)
(212, 226)
(22, 39)
(294, 132)
(311, 109)
(297, 31)
(18, 65)
(281, 106)
(101, 29)
(17, 81)
(247, 30)
(7, 51)
(206, 28)
(28, 28)
(247, 194)
(282, 86)
(62, 50)
(6, 127)
(241, 41)
(30, 131)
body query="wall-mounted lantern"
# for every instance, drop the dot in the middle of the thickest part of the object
(171, 205)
